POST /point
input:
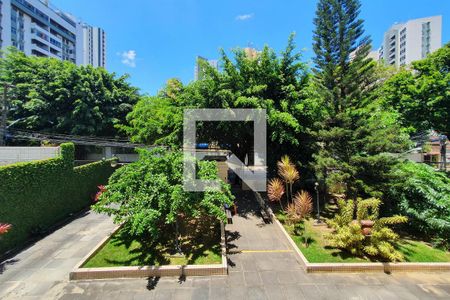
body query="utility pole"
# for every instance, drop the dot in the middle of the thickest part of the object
(4, 112)
(443, 142)
(316, 187)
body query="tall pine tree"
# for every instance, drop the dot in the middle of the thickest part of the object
(354, 131)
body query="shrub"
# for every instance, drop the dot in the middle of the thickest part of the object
(288, 172)
(423, 195)
(300, 208)
(36, 195)
(292, 216)
(349, 235)
(303, 204)
(275, 191)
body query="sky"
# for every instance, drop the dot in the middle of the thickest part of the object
(154, 40)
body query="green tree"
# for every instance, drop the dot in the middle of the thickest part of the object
(423, 195)
(158, 120)
(422, 94)
(354, 130)
(59, 97)
(147, 196)
(279, 84)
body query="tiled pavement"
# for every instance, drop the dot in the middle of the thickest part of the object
(261, 267)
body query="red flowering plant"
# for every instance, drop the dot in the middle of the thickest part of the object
(4, 228)
(101, 190)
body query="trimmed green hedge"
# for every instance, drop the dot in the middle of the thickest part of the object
(36, 195)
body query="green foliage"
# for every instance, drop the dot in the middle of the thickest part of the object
(339, 33)
(273, 82)
(155, 120)
(423, 194)
(36, 195)
(368, 209)
(59, 97)
(147, 196)
(349, 234)
(422, 94)
(355, 129)
(345, 216)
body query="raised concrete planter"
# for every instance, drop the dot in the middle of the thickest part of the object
(355, 267)
(80, 273)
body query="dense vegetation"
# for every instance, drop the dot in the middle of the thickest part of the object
(421, 94)
(423, 195)
(340, 123)
(36, 195)
(147, 196)
(277, 83)
(355, 130)
(56, 96)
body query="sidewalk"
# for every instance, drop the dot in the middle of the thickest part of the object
(37, 270)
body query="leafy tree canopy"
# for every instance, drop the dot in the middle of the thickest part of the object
(278, 84)
(147, 196)
(422, 95)
(60, 97)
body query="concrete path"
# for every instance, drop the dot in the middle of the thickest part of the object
(44, 267)
(262, 266)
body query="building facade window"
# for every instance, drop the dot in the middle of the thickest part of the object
(426, 34)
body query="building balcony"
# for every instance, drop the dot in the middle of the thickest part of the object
(54, 55)
(39, 39)
(35, 45)
(40, 28)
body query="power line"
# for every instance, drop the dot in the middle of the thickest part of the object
(76, 139)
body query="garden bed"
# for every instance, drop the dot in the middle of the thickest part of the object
(318, 252)
(119, 256)
(318, 257)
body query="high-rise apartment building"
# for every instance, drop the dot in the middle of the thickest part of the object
(37, 28)
(92, 48)
(410, 41)
(198, 71)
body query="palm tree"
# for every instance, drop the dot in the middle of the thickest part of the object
(275, 191)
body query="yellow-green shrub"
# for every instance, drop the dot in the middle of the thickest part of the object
(348, 233)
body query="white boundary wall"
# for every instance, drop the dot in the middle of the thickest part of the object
(11, 155)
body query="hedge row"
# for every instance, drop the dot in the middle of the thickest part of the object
(36, 195)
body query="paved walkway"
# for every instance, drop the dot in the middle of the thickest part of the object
(41, 270)
(262, 266)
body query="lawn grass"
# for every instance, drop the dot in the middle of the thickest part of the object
(318, 250)
(419, 251)
(202, 247)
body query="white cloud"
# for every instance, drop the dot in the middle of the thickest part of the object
(245, 17)
(129, 58)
